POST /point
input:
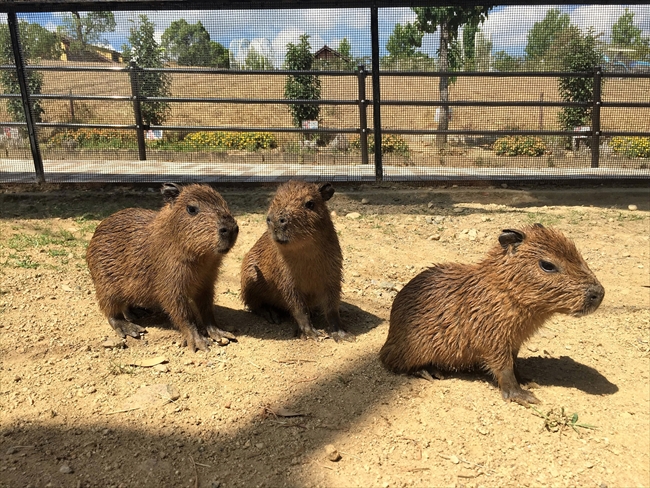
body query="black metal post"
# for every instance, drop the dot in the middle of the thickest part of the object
(134, 75)
(12, 20)
(376, 98)
(595, 118)
(363, 114)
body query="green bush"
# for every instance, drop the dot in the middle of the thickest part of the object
(631, 147)
(95, 138)
(519, 146)
(390, 143)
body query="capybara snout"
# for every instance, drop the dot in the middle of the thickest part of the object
(456, 316)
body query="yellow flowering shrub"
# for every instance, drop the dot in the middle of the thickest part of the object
(632, 147)
(519, 146)
(249, 141)
(390, 143)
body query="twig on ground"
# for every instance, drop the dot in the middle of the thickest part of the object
(196, 473)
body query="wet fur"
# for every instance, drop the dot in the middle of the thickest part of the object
(296, 265)
(457, 316)
(167, 260)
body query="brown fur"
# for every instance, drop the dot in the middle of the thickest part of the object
(166, 260)
(296, 266)
(455, 316)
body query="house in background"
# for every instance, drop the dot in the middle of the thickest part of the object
(96, 54)
(328, 58)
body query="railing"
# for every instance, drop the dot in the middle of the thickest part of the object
(594, 132)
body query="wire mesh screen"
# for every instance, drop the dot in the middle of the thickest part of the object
(506, 92)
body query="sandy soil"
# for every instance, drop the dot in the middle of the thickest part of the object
(262, 411)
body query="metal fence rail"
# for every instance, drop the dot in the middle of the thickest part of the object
(594, 133)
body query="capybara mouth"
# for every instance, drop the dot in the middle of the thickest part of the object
(280, 238)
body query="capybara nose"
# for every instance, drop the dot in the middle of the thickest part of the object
(595, 295)
(283, 221)
(224, 231)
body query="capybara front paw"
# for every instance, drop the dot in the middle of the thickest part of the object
(520, 396)
(343, 335)
(311, 333)
(221, 337)
(195, 342)
(124, 328)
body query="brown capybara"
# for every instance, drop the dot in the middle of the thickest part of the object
(456, 316)
(166, 260)
(296, 266)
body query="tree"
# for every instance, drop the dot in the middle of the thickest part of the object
(9, 78)
(624, 32)
(542, 34)
(469, 47)
(345, 50)
(449, 20)
(190, 45)
(301, 87)
(505, 62)
(257, 61)
(144, 52)
(404, 40)
(576, 52)
(87, 29)
(483, 52)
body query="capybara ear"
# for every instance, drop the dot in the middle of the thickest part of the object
(326, 190)
(511, 237)
(170, 191)
(538, 225)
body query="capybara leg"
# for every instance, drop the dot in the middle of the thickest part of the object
(338, 332)
(125, 328)
(183, 316)
(271, 314)
(307, 330)
(510, 389)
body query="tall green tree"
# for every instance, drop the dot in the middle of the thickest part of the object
(345, 50)
(301, 87)
(469, 47)
(144, 51)
(86, 29)
(576, 52)
(543, 34)
(624, 32)
(448, 20)
(190, 45)
(33, 48)
(404, 40)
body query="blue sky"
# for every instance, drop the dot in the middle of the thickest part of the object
(506, 26)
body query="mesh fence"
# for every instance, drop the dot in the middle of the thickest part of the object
(207, 95)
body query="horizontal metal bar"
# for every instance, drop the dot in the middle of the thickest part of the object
(117, 98)
(114, 69)
(615, 133)
(249, 101)
(625, 105)
(85, 126)
(487, 132)
(491, 74)
(210, 128)
(466, 103)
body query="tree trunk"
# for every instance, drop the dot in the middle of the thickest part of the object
(443, 65)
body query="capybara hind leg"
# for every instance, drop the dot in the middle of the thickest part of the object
(222, 337)
(510, 388)
(338, 332)
(429, 373)
(125, 328)
(271, 314)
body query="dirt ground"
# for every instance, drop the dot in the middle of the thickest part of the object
(262, 411)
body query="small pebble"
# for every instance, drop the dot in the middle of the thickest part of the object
(260, 445)
(65, 469)
(332, 453)
(353, 215)
(333, 213)
(161, 368)
(11, 450)
(458, 210)
(632, 207)
(365, 201)
(113, 343)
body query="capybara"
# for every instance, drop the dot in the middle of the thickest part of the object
(166, 261)
(296, 266)
(456, 316)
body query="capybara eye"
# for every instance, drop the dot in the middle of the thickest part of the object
(192, 210)
(310, 204)
(548, 266)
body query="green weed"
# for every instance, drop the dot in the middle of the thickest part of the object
(556, 420)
